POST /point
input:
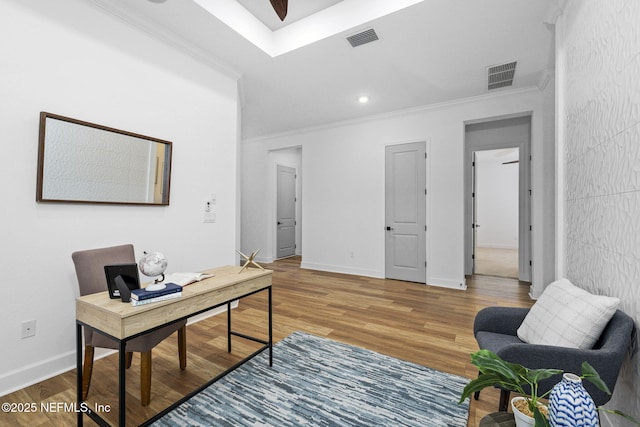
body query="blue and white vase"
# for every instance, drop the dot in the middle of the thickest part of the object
(570, 404)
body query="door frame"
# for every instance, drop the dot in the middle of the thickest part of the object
(524, 205)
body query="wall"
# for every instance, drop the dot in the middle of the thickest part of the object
(343, 185)
(70, 58)
(598, 51)
(497, 200)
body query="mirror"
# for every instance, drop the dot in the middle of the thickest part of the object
(81, 162)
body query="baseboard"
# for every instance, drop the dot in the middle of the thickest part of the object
(33, 374)
(262, 260)
(443, 283)
(211, 313)
(342, 269)
(448, 283)
(495, 246)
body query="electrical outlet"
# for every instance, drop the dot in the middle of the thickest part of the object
(28, 328)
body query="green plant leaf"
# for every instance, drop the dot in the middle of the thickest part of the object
(591, 375)
(484, 380)
(541, 420)
(487, 361)
(495, 371)
(536, 375)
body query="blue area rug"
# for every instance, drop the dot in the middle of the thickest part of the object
(318, 382)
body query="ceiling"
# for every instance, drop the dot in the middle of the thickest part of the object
(430, 51)
(297, 10)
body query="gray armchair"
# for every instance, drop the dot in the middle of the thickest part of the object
(495, 330)
(89, 266)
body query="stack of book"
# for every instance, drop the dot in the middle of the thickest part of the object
(142, 296)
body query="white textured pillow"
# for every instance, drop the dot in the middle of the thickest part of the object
(567, 316)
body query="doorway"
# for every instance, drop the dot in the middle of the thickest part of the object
(286, 211)
(285, 214)
(502, 134)
(495, 199)
(405, 212)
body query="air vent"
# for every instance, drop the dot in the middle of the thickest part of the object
(501, 75)
(363, 37)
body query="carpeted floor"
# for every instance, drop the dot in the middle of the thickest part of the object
(496, 262)
(318, 382)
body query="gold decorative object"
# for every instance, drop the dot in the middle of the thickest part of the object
(249, 260)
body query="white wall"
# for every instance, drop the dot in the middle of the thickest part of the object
(496, 200)
(598, 53)
(343, 185)
(70, 58)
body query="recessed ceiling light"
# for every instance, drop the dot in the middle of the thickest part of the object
(157, 1)
(363, 99)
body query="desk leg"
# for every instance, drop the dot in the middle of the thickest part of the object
(270, 331)
(122, 383)
(229, 327)
(79, 371)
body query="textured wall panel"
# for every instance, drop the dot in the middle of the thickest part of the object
(602, 162)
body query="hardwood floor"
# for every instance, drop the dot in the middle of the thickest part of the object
(423, 324)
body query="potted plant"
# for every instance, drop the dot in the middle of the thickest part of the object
(515, 377)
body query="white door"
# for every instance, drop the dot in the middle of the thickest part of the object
(286, 212)
(405, 212)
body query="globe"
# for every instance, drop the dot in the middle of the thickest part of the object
(153, 264)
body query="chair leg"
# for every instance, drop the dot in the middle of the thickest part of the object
(182, 347)
(476, 395)
(129, 355)
(145, 378)
(87, 369)
(504, 400)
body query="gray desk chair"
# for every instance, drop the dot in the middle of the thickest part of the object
(495, 329)
(91, 279)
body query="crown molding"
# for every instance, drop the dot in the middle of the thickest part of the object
(396, 113)
(165, 35)
(555, 9)
(545, 77)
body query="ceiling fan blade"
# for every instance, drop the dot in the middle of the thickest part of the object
(280, 6)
